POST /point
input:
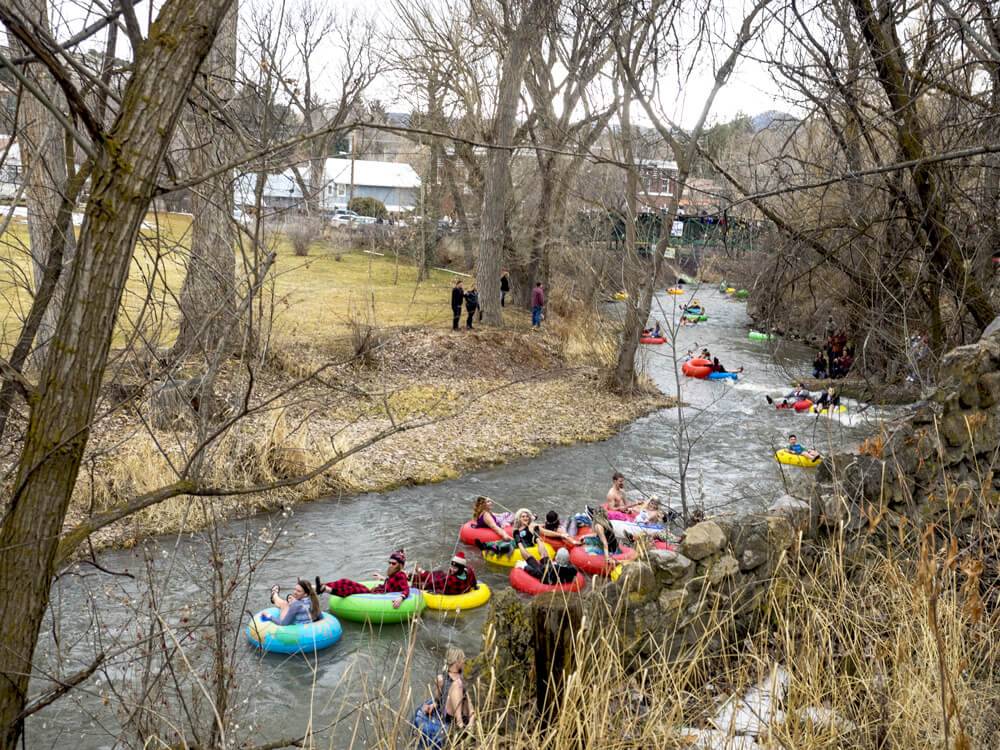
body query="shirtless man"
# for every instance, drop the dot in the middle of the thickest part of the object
(617, 506)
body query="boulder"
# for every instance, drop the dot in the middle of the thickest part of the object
(723, 568)
(798, 512)
(669, 566)
(703, 539)
(672, 601)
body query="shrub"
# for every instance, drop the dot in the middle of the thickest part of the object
(302, 232)
(366, 206)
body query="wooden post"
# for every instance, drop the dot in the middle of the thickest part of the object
(555, 618)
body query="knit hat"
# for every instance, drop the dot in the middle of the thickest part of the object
(562, 556)
(459, 559)
(398, 556)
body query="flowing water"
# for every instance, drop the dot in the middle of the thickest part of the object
(732, 432)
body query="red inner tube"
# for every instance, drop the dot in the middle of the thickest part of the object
(652, 340)
(802, 405)
(594, 565)
(699, 362)
(470, 533)
(660, 544)
(526, 583)
(696, 371)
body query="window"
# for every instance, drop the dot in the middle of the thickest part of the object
(341, 191)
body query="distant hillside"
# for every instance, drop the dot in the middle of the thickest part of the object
(770, 119)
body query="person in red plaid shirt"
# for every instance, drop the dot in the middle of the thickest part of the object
(395, 580)
(458, 579)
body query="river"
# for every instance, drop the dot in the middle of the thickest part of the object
(731, 469)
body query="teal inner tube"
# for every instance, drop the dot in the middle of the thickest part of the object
(376, 608)
(758, 336)
(263, 633)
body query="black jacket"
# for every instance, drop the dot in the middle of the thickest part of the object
(471, 300)
(504, 284)
(457, 295)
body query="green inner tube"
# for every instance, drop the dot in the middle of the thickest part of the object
(695, 318)
(758, 336)
(742, 294)
(376, 608)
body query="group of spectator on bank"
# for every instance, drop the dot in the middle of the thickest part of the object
(470, 300)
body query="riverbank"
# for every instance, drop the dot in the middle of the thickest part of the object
(433, 403)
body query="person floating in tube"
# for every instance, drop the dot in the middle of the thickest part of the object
(395, 581)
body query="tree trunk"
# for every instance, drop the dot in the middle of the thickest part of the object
(496, 193)
(43, 153)
(123, 181)
(944, 252)
(208, 297)
(468, 251)
(541, 234)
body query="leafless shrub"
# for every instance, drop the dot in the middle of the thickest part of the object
(302, 231)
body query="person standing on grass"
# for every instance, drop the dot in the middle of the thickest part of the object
(471, 305)
(537, 303)
(457, 298)
(504, 287)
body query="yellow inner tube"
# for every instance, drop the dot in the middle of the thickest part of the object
(509, 561)
(675, 290)
(621, 295)
(454, 602)
(796, 459)
(839, 410)
(730, 289)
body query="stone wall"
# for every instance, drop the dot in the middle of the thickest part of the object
(938, 463)
(665, 602)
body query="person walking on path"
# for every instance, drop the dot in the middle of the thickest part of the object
(471, 305)
(457, 297)
(504, 287)
(537, 303)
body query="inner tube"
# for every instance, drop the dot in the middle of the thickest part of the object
(759, 336)
(376, 608)
(694, 310)
(675, 290)
(803, 405)
(526, 583)
(268, 636)
(742, 294)
(470, 534)
(660, 544)
(625, 529)
(796, 459)
(619, 296)
(841, 409)
(696, 371)
(509, 561)
(723, 376)
(730, 289)
(652, 340)
(619, 515)
(477, 597)
(593, 564)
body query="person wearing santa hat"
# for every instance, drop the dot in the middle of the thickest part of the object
(458, 579)
(394, 580)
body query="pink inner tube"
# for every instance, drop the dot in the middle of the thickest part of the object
(594, 565)
(802, 405)
(652, 340)
(526, 583)
(660, 544)
(470, 533)
(617, 515)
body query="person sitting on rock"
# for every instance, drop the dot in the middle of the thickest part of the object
(551, 572)
(819, 365)
(458, 579)
(554, 531)
(483, 517)
(300, 608)
(795, 447)
(394, 581)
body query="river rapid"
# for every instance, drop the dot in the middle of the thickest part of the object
(732, 432)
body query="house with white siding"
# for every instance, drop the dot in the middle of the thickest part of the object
(396, 184)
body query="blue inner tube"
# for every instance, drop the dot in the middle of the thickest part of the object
(692, 311)
(723, 375)
(265, 634)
